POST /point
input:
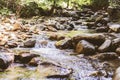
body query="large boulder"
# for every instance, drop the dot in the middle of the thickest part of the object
(97, 39)
(29, 43)
(64, 44)
(107, 56)
(6, 59)
(105, 46)
(114, 27)
(26, 57)
(85, 47)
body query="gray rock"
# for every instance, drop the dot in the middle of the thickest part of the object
(105, 46)
(117, 74)
(107, 56)
(115, 43)
(92, 38)
(114, 27)
(6, 59)
(85, 47)
(29, 43)
(64, 44)
(118, 51)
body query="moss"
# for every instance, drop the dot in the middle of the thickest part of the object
(73, 33)
(19, 73)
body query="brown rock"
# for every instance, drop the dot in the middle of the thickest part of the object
(85, 47)
(27, 57)
(64, 44)
(107, 56)
(16, 26)
(56, 37)
(115, 43)
(105, 46)
(93, 38)
(35, 61)
(55, 71)
(118, 51)
(29, 43)
(6, 59)
(117, 74)
(11, 45)
(114, 27)
(102, 29)
(50, 28)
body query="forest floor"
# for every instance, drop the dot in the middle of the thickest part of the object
(84, 45)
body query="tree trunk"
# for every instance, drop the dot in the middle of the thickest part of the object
(68, 3)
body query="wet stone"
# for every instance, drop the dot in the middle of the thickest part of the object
(25, 58)
(102, 29)
(29, 43)
(11, 45)
(115, 43)
(35, 61)
(56, 37)
(6, 59)
(64, 44)
(117, 74)
(114, 27)
(118, 51)
(105, 46)
(92, 38)
(107, 56)
(85, 47)
(57, 72)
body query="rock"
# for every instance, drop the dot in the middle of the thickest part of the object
(85, 47)
(27, 57)
(67, 13)
(115, 43)
(6, 59)
(16, 26)
(55, 71)
(11, 45)
(35, 61)
(117, 74)
(89, 24)
(97, 39)
(19, 51)
(105, 46)
(50, 28)
(114, 27)
(64, 44)
(29, 43)
(56, 37)
(102, 29)
(3, 42)
(107, 56)
(118, 51)
(98, 19)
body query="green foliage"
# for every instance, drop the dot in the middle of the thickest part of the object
(115, 3)
(5, 11)
(26, 7)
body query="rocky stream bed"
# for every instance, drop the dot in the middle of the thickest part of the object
(76, 46)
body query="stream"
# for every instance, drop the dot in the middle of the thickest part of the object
(50, 62)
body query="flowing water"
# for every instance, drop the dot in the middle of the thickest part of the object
(82, 67)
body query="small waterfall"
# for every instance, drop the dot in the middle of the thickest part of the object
(43, 42)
